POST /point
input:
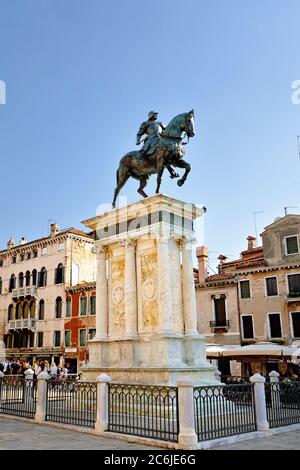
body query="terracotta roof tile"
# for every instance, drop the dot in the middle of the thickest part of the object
(219, 277)
(240, 264)
(82, 286)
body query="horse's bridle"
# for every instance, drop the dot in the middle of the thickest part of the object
(185, 135)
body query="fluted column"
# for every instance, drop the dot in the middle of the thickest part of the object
(101, 295)
(188, 289)
(164, 285)
(130, 290)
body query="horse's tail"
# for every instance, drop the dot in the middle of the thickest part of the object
(118, 177)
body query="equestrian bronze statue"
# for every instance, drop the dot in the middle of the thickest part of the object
(163, 148)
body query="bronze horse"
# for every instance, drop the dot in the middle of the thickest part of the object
(168, 153)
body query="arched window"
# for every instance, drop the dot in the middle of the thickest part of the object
(58, 307)
(43, 277)
(27, 277)
(59, 274)
(93, 304)
(18, 311)
(25, 310)
(12, 282)
(0, 285)
(83, 305)
(10, 312)
(21, 280)
(32, 309)
(41, 310)
(34, 277)
(68, 307)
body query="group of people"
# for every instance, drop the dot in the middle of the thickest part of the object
(18, 367)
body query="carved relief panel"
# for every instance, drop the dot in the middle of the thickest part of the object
(176, 286)
(149, 291)
(117, 301)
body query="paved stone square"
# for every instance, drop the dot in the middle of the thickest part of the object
(15, 434)
(283, 441)
(21, 435)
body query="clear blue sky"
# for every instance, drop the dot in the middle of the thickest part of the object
(82, 75)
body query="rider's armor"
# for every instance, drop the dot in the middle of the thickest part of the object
(153, 130)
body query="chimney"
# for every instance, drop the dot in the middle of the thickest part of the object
(22, 241)
(11, 244)
(202, 256)
(54, 230)
(221, 259)
(251, 243)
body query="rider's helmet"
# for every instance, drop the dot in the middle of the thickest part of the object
(151, 114)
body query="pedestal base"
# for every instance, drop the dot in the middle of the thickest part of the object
(151, 376)
(151, 360)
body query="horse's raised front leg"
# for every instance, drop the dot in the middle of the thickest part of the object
(186, 166)
(143, 182)
(173, 173)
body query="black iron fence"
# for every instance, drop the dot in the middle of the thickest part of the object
(153, 411)
(283, 403)
(144, 410)
(72, 402)
(18, 396)
(224, 410)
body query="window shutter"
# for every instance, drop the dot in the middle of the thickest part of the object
(63, 274)
(55, 276)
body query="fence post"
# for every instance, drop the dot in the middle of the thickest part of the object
(260, 402)
(187, 434)
(41, 401)
(101, 424)
(29, 373)
(274, 388)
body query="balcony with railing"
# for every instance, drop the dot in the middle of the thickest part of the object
(24, 324)
(219, 324)
(30, 291)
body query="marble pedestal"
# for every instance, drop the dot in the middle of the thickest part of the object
(146, 319)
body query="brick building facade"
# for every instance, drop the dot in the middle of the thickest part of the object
(79, 323)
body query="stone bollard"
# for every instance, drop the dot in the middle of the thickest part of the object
(260, 402)
(187, 434)
(1, 383)
(41, 401)
(101, 424)
(28, 390)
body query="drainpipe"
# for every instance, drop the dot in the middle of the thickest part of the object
(71, 262)
(239, 319)
(239, 310)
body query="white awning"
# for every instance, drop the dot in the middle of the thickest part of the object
(217, 350)
(262, 349)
